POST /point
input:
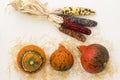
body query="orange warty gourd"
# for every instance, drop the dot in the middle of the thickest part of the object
(94, 57)
(61, 59)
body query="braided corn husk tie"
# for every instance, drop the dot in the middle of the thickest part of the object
(33, 7)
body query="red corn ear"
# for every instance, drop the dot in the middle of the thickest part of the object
(70, 25)
(73, 34)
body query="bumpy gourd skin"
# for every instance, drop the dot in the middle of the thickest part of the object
(94, 57)
(31, 59)
(61, 59)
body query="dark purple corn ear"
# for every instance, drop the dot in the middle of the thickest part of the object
(81, 21)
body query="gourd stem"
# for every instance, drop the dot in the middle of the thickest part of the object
(82, 48)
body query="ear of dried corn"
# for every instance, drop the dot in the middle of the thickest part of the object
(76, 11)
(73, 34)
(70, 25)
(81, 21)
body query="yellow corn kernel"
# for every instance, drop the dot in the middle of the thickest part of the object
(77, 11)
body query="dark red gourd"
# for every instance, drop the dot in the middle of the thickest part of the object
(94, 57)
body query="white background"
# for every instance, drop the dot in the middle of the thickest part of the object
(16, 26)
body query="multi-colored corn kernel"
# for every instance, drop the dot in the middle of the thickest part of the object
(73, 34)
(81, 21)
(70, 25)
(77, 11)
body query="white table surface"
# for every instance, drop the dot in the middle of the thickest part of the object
(19, 29)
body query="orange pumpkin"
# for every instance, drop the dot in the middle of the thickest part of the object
(61, 59)
(31, 59)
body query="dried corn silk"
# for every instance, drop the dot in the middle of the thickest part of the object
(70, 25)
(73, 34)
(76, 11)
(81, 21)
